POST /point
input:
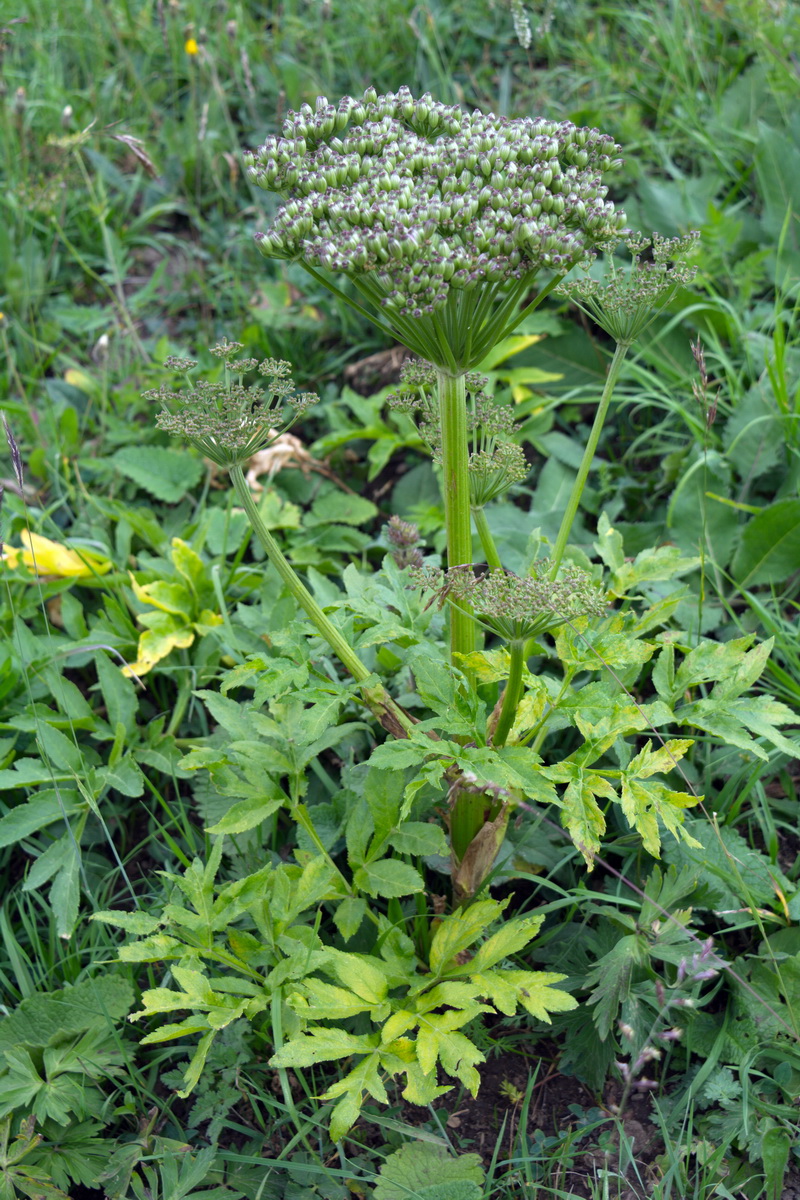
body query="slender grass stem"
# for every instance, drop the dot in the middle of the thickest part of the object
(588, 457)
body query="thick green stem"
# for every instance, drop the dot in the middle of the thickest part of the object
(513, 692)
(379, 701)
(487, 541)
(588, 457)
(455, 462)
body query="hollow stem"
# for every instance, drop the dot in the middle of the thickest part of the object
(512, 695)
(377, 698)
(588, 457)
(487, 541)
(455, 462)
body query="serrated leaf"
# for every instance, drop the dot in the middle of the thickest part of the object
(460, 930)
(420, 1088)
(166, 474)
(419, 838)
(711, 661)
(38, 812)
(247, 814)
(580, 812)
(438, 1040)
(611, 979)
(432, 1172)
(511, 937)
(388, 877)
(320, 1001)
(348, 916)
(582, 645)
(153, 949)
(363, 977)
(321, 1044)
(723, 859)
(534, 991)
(41, 1016)
(363, 1078)
(729, 721)
(138, 923)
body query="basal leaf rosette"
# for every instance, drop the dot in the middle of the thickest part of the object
(441, 218)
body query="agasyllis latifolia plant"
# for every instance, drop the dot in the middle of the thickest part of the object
(445, 224)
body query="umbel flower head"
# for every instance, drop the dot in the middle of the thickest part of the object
(626, 302)
(517, 608)
(496, 462)
(441, 218)
(229, 421)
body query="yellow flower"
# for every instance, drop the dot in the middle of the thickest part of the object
(49, 558)
(191, 47)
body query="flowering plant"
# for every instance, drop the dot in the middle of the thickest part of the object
(443, 222)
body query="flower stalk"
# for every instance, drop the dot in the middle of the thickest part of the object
(378, 700)
(455, 465)
(513, 692)
(588, 458)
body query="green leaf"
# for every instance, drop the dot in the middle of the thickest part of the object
(643, 803)
(611, 979)
(119, 693)
(41, 810)
(460, 930)
(138, 923)
(711, 661)
(533, 990)
(337, 507)
(320, 1001)
(580, 813)
(769, 549)
(593, 647)
(60, 749)
(40, 1017)
(388, 877)
(438, 1040)
(363, 1078)
(432, 1172)
(247, 814)
(511, 937)
(164, 473)
(65, 894)
(362, 977)
(722, 861)
(775, 1147)
(321, 1044)
(419, 838)
(348, 916)
(728, 720)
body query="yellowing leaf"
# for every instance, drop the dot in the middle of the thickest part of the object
(643, 803)
(156, 644)
(507, 348)
(532, 990)
(81, 381)
(165, 596)
(46, 557)
(356, 973)
(459, 930)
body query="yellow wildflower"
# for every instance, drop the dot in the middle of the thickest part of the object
(49, 558)
(191, 47)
